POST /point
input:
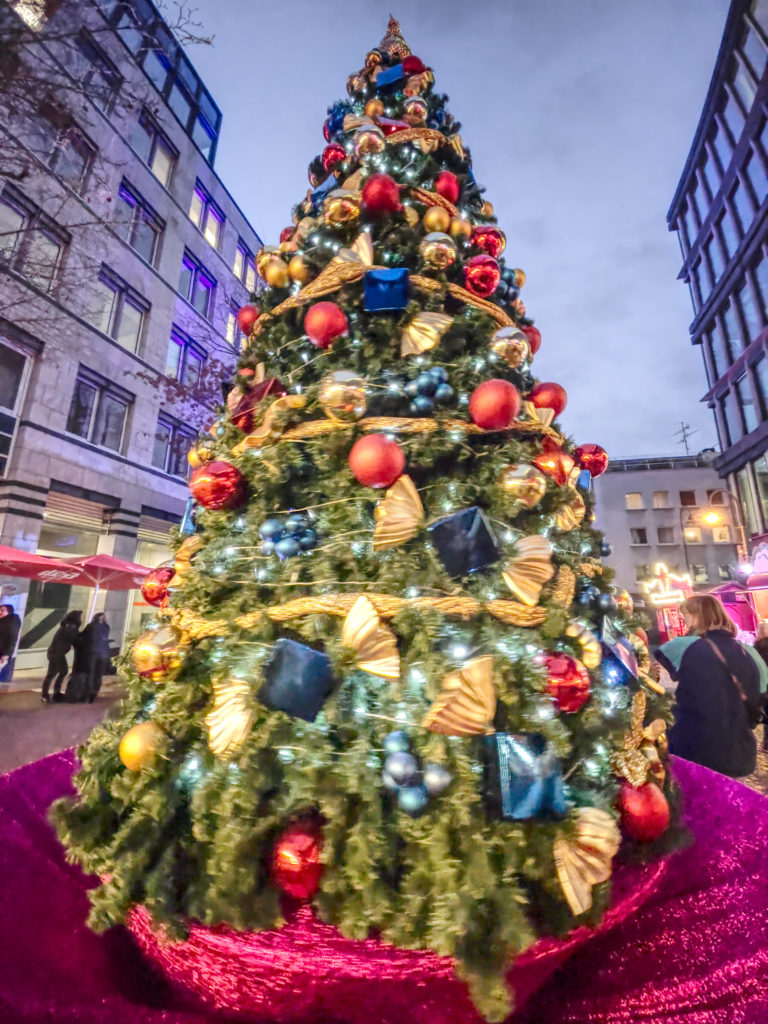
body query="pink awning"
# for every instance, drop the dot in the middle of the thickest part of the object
(14, 562)
(108, 573)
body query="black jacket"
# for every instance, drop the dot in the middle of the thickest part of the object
(10, 627)
(95, 639)
(761, 646)
(711, 725)
(63, 640)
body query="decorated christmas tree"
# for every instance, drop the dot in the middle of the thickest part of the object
(390, 676)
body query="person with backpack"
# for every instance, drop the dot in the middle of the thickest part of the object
(64, 639)
(96, 651)
(718, 700)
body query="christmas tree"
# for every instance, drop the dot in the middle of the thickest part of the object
(390, 675)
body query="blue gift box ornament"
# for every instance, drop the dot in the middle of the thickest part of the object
(584, 480)
(188, 519)
(297, 680)
(522, 777)
(464, 542)
(386, 289)
(389, 77)
(318, 195)
(619, 659)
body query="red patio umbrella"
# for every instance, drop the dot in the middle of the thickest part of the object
(108, 573)
(14, 562)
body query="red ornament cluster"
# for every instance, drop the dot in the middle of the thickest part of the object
(413, 65)
(568, 683)
(482, 275)
(547, 395)
(644, 812)
(333, 155)
(593, 458)
(324, 323)
(447, 185)
(490, 239)
(380, 194)
(247, 316)
(218, 485)
(154, 586)
(376, 461)
(494, 404)
(295, 867)
(554, 461)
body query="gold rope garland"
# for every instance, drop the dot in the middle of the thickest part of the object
(421, 195)
(431, 136)
(408, 425)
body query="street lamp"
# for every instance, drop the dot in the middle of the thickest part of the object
(742, 552)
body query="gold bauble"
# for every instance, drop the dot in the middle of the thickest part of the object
(524, 484)
(460, 227)
(411, 216)
(486, 210)
(299, 270)
(374, 108)
(264, 255)
(519, 277)
(436, 219)
(341, 206)
(368, 141)
(276, 273)
(372, 59)
(155, 652)
(342, 396)
(415, 111)
(356, 83)
(140, 744)
(511, 345)
(437, 250)
(199, 453)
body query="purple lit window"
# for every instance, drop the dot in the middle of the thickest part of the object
(137, 223)
(206, 215)
(172, 442)
(185, 359)
(197, 285)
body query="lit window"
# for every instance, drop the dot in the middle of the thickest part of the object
(138, 223)
(98, 410)
(118, 310)
(692, 534)
(638, 535)
(234, 335)
(31, 12)
(185, 359)
(244, 267)
(172, 442)
(154, 148)
(699, 573)
(197, 285)
(661, 499)
(206, 215)
(722, 535)
(634, 501)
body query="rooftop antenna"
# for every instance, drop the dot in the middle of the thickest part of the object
(684, 433)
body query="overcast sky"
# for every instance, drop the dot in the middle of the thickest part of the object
(579, 114)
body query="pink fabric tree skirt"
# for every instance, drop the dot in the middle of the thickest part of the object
(685, 943)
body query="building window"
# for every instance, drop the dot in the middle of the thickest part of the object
(715, 257)
(244, 267)
(733, 117)
(700, 201)
(118, 310)
(722, 148)
(732, 435)
(714, 347)
(65, 149)
(185, 359)
(206, 215)
(687, 498)
(138, 223)
(746, 403)
(12, 369)
(732, 336)
(722, 535)
(725, 231)
(154, 148)
(235, 336)
(743, 84)
(742, 207)
(633, 501)
(711, 175)
(748, 498)
(699, 573)
(753, 49)
(760, 371)
(661, 499)
(756, 177)
(172, 442)
(29, 240)
(638, 535)
(715, 497)
(691, 224)
(197, 285)
(94, 71)
(98, 410)
(749, 314)
(666, 534)
(692, 534)
(642, 572)
(761, 284)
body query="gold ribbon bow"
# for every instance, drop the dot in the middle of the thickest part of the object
(374, 644)
(467, 701)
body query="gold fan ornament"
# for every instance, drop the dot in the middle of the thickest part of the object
(231, 718)
(571, 515)
(591, 649)
(524, 484)
(398, 515)
(584, 859)
(642, 744)
(374, 644)
(530, 569)
(467, 701)
(423, 332)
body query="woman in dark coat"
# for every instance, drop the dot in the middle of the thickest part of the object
(64, 639)
(10, 627)
(717, 679)
(95, 641)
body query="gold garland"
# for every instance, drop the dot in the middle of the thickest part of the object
(430, 136)
(408, 425)
(421, 195)
(565, 586)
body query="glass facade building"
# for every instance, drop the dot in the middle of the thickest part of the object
(720, 214)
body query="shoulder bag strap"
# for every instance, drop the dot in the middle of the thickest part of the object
(720, 657)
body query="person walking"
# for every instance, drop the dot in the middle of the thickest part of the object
(718, 693)
(761, 647)
(63, 641)
(96, 649)
(10, 627)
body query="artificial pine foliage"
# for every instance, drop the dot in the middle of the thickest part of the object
(425, 662)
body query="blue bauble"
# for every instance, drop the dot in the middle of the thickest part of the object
(439, 373)
(295, 523)
(396, 742)
(445, 394)
(422, 405)
(268, 547)
(605, 549)
(411, 389)
(607, 604)
(436, 779)
(307, 540)
(388, 782)
(588, 595)
(402, 767)
(426, 384)
(287, 547)
(270, 529)
(413, 799)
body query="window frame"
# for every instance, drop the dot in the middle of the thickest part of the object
(631, 506)
(197, 270)
(232, 328)
(208, 208)
(659, 537)
(185, 344)
(158, 139)
(176, 430)
(67, 134)
(99, 62)
(140, 211)
(34, 222)
(105, 389)
(124, 295)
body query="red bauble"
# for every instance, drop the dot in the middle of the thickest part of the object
(593, 458)
(324, 322)
(287, 233)
(644, 811)
(547, 395)
(533, 334)
(554, 461)
(247, 316)
(242, 405)
(381, 194)
(333, 155)
(482, 275)
(490, 239)
(390, 126)
(295, 867)
(376, 461)
(413, 65)
(447, 185)
(154, 586)
(568, 683)
(494, 404)
(218, 485)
